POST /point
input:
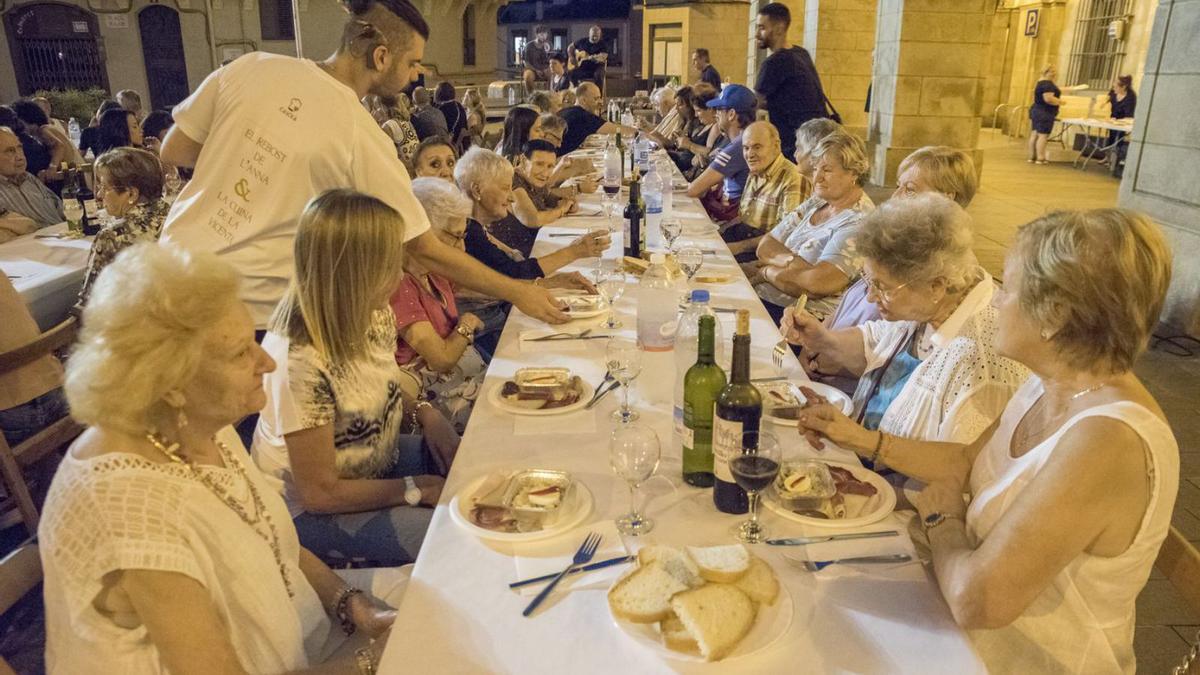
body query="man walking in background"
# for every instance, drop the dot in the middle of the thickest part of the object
(787, 80)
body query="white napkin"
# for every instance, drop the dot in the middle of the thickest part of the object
(553, 555)
(578, 422)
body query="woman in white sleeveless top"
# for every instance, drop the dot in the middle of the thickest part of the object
(1071, 490)
(163, 547)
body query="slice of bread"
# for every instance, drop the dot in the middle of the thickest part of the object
(676, 561)
(718, 615)
(759, 582)
(645, 595)
(723, 564)
(676, 636)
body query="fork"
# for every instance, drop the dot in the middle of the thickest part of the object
(582, 557)
(817, 565)
(781, 347)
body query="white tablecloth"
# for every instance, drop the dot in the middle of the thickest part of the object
(458, 616)
(46, 271)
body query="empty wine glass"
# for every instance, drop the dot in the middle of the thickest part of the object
(671, 229)
(610, 282)
(690, 260)
(753, 470)
(172, 186)
(624, 359)
(609, 200)
(634, 452)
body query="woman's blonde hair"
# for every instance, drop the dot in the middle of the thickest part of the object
(948, 170)
(848, 149)
(921, 239)
(144, 332)
(1095, 282)
(349, 252)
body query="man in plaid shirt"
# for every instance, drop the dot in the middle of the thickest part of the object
(774, 188)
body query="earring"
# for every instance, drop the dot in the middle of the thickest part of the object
(1046, 335)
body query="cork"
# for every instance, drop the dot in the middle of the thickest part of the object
(743, 322)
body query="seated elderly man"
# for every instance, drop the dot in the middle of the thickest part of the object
(775, 188)
(669, 122)
(25, 202)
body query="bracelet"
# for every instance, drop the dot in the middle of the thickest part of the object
(342, 605)
(365, 661)
(417, 407)
(878, 450)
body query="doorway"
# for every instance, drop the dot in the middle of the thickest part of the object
(162, 51)
(55, 46)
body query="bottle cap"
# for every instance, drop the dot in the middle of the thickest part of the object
(658, 259)
(700, 296)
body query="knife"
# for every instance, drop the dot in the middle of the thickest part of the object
(556, 338)
(801, 541)
(586, 568)
(596, 399)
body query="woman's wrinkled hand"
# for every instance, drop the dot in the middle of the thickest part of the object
(804, 329)
(570, 280)
(592, 244)
(820, 420)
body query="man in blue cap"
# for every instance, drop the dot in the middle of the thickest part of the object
(735, 108)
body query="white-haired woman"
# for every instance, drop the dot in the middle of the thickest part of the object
(486, 179)
(1071, 490)
(931, 169)
(436, 341)
(930, 369)
(164, 548)
(811, 251)
(341, 433)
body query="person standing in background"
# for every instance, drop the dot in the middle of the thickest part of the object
(1043, 112)
(708, 72)
(787, 81)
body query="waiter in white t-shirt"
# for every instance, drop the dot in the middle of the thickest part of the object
(267, 133)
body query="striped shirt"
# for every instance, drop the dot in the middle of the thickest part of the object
(29, 197)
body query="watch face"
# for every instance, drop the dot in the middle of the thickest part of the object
(933, 519)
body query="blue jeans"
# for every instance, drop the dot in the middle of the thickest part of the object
(388, 537)
(20, 422)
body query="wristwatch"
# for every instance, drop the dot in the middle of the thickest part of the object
(412, 493)
(467, 333)
(937, 518)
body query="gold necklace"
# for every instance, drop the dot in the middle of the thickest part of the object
(172, 453)
(1028, 435)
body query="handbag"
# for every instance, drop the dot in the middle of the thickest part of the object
(830, 111)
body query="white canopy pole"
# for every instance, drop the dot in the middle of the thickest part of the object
(296, 28)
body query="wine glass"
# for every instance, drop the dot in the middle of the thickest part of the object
(753, 470)
(634, 452)
(624, 359)
(610, 282)
(609, 200)
(690, 260)
(671, 229)
(172, 186)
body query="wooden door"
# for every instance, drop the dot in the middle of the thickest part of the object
(162, 51)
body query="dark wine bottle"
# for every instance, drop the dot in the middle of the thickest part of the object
(736, 417)
(702, 384)
(635, 217)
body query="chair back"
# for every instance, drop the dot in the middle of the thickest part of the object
(1179, 560)
(20, 573)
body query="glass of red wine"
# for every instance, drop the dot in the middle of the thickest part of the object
(753, 470)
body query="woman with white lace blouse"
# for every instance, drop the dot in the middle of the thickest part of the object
(164, 549)
(1071, 489)
(930, 368)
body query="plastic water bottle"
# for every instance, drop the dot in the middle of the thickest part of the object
(687, 335)
(657, 309)
(643, 153)
(653, 189)
(627, 118)
(665, 173)
(74, 132)
(612, 168)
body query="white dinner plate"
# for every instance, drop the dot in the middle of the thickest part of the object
(770, 625)
(497, 400)
(883, 503)
(578, 505)
(836, 396)
(600, 307)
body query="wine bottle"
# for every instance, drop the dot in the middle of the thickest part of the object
(736, 417)
(635, 215)
(702, 384)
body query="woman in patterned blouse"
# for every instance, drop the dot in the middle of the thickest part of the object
(129, 183)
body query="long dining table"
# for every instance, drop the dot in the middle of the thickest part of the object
(459, 616)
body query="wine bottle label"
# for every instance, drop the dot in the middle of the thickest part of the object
(689, 439)
(727, 444)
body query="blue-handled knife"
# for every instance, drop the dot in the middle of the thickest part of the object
(586, 568)
(801, 541)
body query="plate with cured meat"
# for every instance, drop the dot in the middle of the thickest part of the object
(830, 494)
(541, 391)
(519, 506)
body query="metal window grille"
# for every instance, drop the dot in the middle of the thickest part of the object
(61, 64)
(1095, 56)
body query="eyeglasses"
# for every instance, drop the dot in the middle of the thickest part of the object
(884, 293)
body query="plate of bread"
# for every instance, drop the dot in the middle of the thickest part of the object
(830, 494)
(701, 603)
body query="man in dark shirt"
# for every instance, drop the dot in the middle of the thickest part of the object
(537, 58)
(426, 119)
(560, 80)
(583, 119)
(590, 55)
(787, 79)
(708, 72)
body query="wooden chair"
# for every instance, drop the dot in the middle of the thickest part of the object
(20, 573)
(14, 460)
(1179, 560)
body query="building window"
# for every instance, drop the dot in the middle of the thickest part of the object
(516, 45)
(1096, 56)
(468, 29)
(275, 17)
(612, 39)
(666, 51)
(558, 40)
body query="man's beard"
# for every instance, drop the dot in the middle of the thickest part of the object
(762, 43)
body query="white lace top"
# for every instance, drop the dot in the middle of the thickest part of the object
(121, 512)
(961, 385)
(1083, 621)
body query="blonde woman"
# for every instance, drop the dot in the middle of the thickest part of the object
(392, 115)
(476, 115)
(1071, 489)
(337, 432)
(164, 548)
(1047, 98)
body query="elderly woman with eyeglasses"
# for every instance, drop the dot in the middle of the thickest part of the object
(1071, 490)
(929, 369)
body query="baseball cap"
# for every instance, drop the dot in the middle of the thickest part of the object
(735, 96)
